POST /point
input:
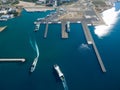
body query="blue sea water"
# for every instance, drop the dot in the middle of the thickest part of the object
(79, 64)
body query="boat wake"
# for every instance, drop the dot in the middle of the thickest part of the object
(65, 84)
(31, 43)
(35, 47)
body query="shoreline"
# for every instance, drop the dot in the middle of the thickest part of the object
(37, 9)
(3, 28)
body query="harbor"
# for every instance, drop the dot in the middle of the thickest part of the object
(78, 65)
(91, 41)
(12, 60)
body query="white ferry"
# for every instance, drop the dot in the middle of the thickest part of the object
(34, 65)
(60, 74)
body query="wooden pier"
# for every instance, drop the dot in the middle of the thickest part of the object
(12, 60)
(91, 41)
(63, 31)
(46, 30)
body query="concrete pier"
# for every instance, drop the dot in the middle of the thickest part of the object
(87, 33)
(91, 41)
(46, 30)
(12, 60)
(63, 31)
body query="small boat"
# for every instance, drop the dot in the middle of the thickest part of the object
(34, 65)
(68, 27)
(60, 74)
(37, 27)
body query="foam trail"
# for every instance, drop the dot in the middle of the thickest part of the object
(37, 49)
(32, 45)
(35, 46)
(65, 85)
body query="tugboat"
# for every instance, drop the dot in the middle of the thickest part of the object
(68, 27)
(60, 74)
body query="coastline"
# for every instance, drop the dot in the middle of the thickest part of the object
(2, 28)
(37, 9)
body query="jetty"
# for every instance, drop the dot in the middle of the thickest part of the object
(87, 33)
(63, 31)
(12, 60)
(2, 28)
(46, 30)
(91, 41)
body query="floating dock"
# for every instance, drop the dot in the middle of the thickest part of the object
(46, 30)
(91, 41)
(12, 60)
(63, 31)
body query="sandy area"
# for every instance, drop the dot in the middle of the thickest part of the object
(71, 15)
(26, 4)
(35, 9)
(32, 7)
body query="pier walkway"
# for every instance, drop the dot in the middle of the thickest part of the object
(46, 30)
(12, 60)
(91, 41)
(87, 33)
(63, 31)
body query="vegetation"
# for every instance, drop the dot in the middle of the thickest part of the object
(30, 0)
(16, 2)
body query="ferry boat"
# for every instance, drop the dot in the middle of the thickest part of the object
(34, 65)
(68, 26)
(60, 74)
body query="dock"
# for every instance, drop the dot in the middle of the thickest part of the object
(46, 30)
(91, 41)
(87, 33)
(12, 60)
(63, 31)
